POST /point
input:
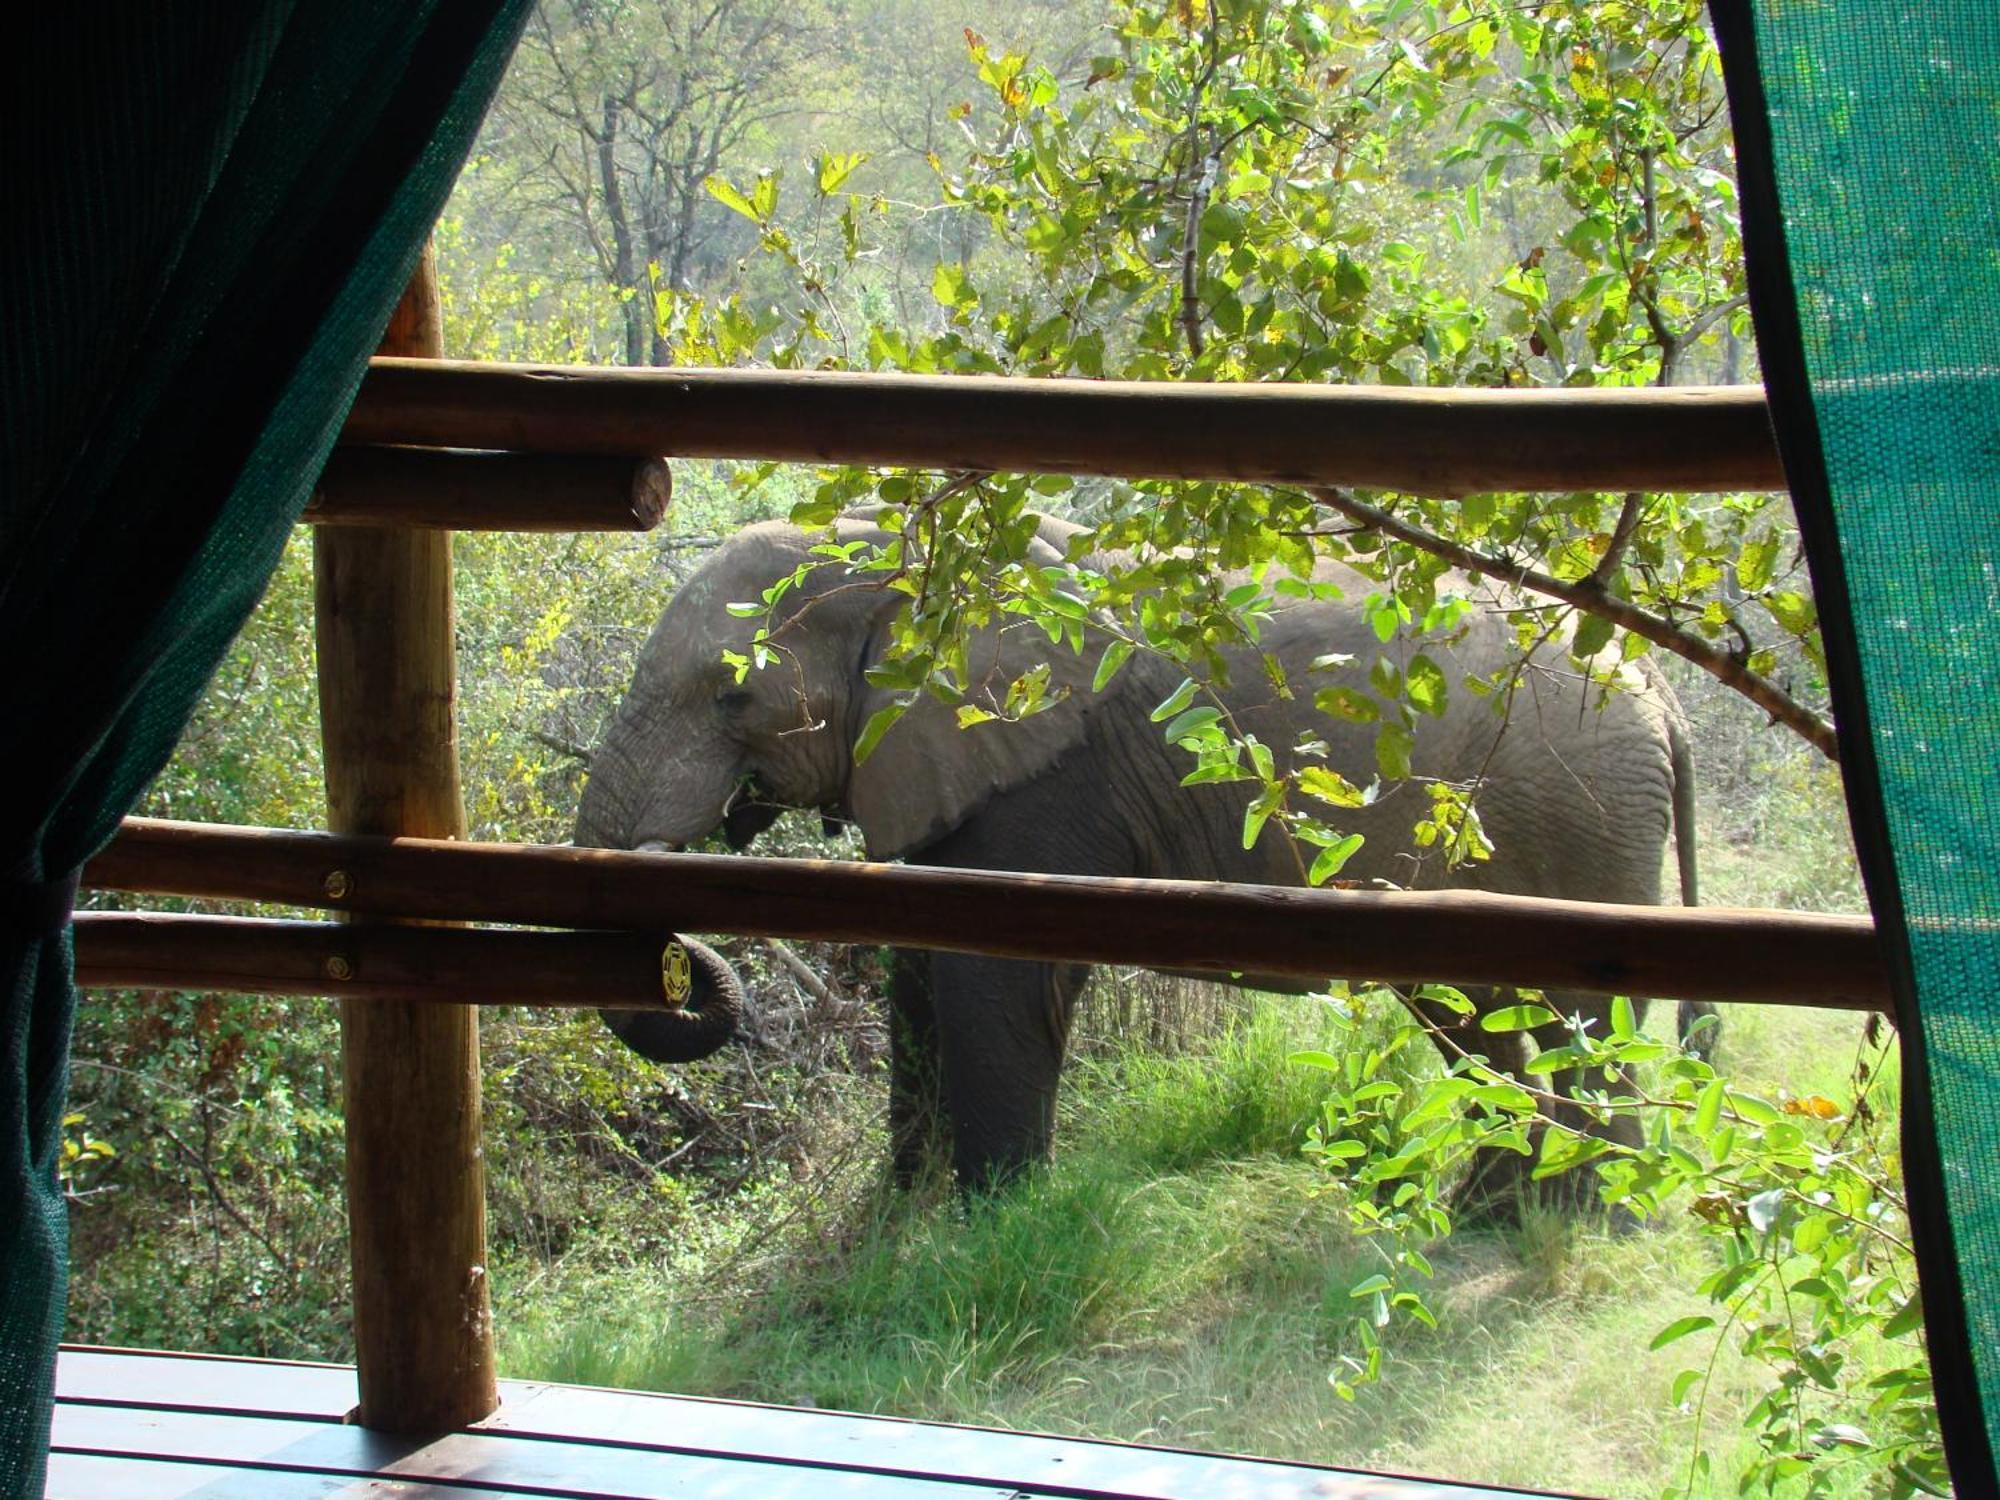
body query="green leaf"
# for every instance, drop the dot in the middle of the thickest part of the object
(1330, 860)
(1258, 813)
(878, 725)
(835, 167)
(1755, 564)
(1562, 1152)
(1347, 703)
(1370, 1287)
(1504, 1098)
(1436, 1101)
(725, 192)
(1516, 1018)
(1330, 786)
(1449, 996)
(1386, 615)
(1175, 701)
(952, 285)
(1424, 682)
(1624, 1021)
(1793, 611)
(1708, 1108)
(1680, 1328)
(1753, 1109)
(1907, 1319)
(1115, 656)
(1393, 744)
(1593, 634)
(1191, 723)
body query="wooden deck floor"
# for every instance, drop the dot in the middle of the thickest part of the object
(168, 1426)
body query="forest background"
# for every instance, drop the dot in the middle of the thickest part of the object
(1239, 1248)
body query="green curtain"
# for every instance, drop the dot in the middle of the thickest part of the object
(1868, 145)
(212, 208)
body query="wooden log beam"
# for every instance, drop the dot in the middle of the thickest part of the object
(416, 1181)
(454, 490)
(1423, 441)
(426, 965)
(1467, 937)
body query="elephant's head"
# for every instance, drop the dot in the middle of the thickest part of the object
(692, 750)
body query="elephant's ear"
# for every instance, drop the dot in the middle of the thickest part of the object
(927, 775)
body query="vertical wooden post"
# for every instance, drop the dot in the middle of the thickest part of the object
(416, 1190)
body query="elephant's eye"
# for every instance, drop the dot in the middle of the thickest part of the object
(732, 700)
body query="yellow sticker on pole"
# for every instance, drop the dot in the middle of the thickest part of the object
(676, 974)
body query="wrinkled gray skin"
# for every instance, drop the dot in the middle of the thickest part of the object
(698, 1027)
(1579, 799)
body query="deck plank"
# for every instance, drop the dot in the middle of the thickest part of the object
(96, 1476)
(1072, 1466)
(578, 1441)
(207, 1382)
(511, 1465)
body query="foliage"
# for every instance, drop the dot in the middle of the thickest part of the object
(1798, 1195)
(1315, 192)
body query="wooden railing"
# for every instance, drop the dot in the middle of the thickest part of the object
(1423, 441)
(432, 446)
(1279, 932)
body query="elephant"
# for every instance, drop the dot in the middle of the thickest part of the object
(1579, 792)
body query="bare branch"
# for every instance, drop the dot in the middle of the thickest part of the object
(802, 972)
(1591, 598)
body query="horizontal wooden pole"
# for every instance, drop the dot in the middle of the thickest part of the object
(1465, 937)
(451, 965)
(1426, 441)
(457, 490)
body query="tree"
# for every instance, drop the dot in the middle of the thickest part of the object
(617, 113)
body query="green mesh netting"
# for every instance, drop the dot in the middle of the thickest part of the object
(1869, 142)
(212, 208)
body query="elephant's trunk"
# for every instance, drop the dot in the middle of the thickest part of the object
(695, 1029)
(604, 815)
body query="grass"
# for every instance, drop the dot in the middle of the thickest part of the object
(1177, 1278)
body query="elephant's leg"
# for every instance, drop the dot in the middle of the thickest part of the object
(1003, 1025)
(915, 1121)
